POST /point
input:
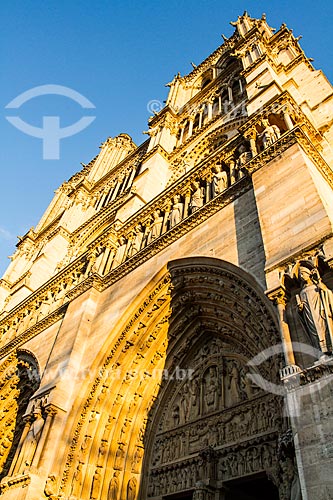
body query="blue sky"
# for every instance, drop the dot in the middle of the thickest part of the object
(118, 54)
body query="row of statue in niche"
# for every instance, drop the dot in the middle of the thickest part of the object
(202, 191)
(220, 387)
(269, 135)
(97, 483)
(227, 427)
(105, 258)
(235, 464)
(182, 206)
(79, 475)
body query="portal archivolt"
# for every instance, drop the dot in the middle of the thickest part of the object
(172, 393)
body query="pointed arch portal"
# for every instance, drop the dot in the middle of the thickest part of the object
(171, 412)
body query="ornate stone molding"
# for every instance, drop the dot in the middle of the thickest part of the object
(32, 332)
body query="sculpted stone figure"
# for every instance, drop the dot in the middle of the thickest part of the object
(136, 241)
(120, 454)
(197, 198)
(156, 225)
(194, 392)
(131, 489)
(270, 134)
(244, 156)
(315, 306)
(114, 486)
(136, 462)
(77, 482)
(120, 253)
(101, 453)
(31, 441)
(51, 487)
(176, 212)
(220, 181)
(211, 389)
(233, 385)
(96, 484)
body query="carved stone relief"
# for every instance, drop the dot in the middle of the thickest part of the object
(19, 378)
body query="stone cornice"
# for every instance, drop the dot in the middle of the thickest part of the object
(157, 149)
(295, 136)
(32, 332)
(76, 265)
(302, 377)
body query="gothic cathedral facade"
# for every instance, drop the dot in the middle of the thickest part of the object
(166, 328)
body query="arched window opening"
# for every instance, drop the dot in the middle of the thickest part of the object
(236, 92)
(196, 122)
(215, 107)
(225, 101)
(204, 115)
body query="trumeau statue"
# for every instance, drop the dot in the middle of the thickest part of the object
(315, 306)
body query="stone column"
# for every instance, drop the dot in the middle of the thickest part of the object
(166, 218)
(116, 189)
(187, 203)
(181, 134)
(251, 135)
(190, 130)
(220, 104)
(50, 411)
(231, 163)
(200, 119)
(109, 260)
(287, 120)
(210, 110)
(104, 259)
(208, 189)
